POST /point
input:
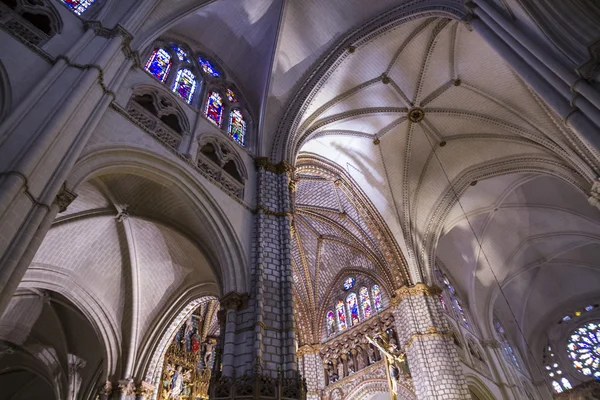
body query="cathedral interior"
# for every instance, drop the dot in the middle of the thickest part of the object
(299, 199)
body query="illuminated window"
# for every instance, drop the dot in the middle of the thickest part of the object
(330, 323)
(237, 126)
(78, 6)
(353, 308)
(214, 108)
(341, 315)
(185, 85)
(208, 68)
(376, 293)
(365, 302)
(349, 283)
(584, 349)
(231, 96)
(159, 64)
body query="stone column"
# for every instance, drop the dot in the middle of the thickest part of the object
(43, 137)
(424, 335)
(259, 338)
(75, 365)
(312, 371)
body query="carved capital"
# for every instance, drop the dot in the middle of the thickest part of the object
(64, 198)
(308, 349)
(420, 289)
(591, 68)
(106, 389)
(127, 387)
(492, 344)
(234, 301)
(280, 168)
(145, 390)
(594, 198)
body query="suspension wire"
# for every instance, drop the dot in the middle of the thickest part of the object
(481, 250)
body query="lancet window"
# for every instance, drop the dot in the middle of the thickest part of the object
(509, 352)
(78, 6)
(355, 308)
(559, 381)
(202, 85)
(450, 300)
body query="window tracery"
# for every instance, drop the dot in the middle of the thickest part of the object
(355, 308)
(31, 22)
(220, 162)
(185, 73)
(509, 352)
(449, 299)
(365, 302)
(185, 84)
(583, 348)
(78, 6)
(578, 313)
(559, 382)
(158, 114)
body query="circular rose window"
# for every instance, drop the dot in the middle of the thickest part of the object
(584, 349)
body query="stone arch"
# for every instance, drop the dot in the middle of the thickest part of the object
(478, 388)
(5, 93)
(51, 278)
(225, 154)
(285, 146)
(160, 103)
(162, 335)
(226, 254)
(542, 166)
(32, 22)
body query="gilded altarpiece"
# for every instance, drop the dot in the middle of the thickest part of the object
(188, 364)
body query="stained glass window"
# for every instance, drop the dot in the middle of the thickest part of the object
(237, 126)
(589, 308)
(365, 302)
(349, 283)
(181, 54)
(557, 387)
(208, 68)
(566, 384)
(376, 293)
(214, 108)
(341, 315)
(231, 96)
(353, 308)
(461, 312)
(159, 64)
(509, 353)
(443, 301)
(185, 84)
(330, 323)
(584, 349)
(78, 6)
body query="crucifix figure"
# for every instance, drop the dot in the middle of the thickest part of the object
(395, 361)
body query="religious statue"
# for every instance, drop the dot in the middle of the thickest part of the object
(340, 369)
(331, 374)
(397, 367)
(195, 343)
(361, 359)
(371, 351)
(351, 369)
(187, 335)
(208, 353)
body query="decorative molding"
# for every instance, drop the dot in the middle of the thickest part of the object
(145, 390)
(279, 168)
(106, 389)
(234, 301)
(64, 198)
(420, 289)
(127, 387)
(308, 349)
(491, 344)
(594, 198)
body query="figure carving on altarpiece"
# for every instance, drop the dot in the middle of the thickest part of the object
(188, 363)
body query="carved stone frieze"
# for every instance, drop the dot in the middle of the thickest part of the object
(420, 289)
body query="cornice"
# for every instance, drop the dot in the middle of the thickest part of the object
(420, 289)
(279, 168)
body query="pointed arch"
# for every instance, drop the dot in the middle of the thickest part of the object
(185, 84)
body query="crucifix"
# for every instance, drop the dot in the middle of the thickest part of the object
(396, 366)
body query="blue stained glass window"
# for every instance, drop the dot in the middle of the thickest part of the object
(349, 283)
(214, 108)
(237, 126)
(584, 349)
(365, 302)
(208, 68)
(461, 312)
(589, 308)
(376, 293)
(341, 315)
(353, 308)
(185, 84)
(78, 6)
(181, 54)
(159, 64)
(330, 323)
(508, 350)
